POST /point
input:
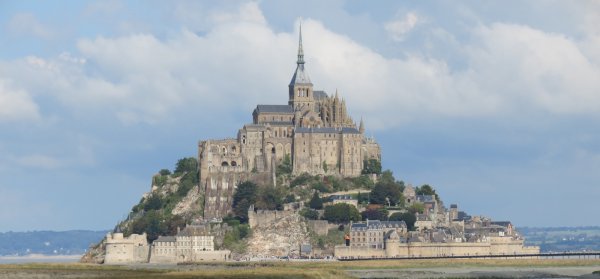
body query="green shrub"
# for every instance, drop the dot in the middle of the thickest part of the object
(309, 214)
(302, 179)
(341, 212)
(189, 164)
(154, 202)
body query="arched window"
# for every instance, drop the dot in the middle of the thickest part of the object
(233, 163)
(225, 164)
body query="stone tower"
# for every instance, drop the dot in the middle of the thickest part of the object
(301, 88)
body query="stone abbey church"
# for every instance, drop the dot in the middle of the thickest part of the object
(313, 131)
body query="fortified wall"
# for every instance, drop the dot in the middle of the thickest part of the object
(131, 249)
(505, 246)
(265, 217)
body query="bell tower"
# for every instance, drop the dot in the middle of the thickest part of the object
(301, 88)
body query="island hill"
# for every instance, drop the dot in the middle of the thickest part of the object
(302, 180)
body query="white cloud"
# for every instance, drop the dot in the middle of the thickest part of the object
(27, 24)
(16, 105)
(532, 69)
(397, 29)
(510, 70)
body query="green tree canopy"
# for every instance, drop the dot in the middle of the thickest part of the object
(245, 195)
(270, 198)
(341, 212)
(316, 202)
(387, 190)
(416, 207)
(371, 166)
(407, 217)
(427, 190)
(375, 214)
(309, 214)
(189, 164)
(285, 168)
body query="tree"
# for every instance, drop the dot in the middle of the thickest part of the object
(316, 202)
(427, 190)
(375, 214)
(189, 164)
(164, 172)
(371, 166)
(309, 214)
(407, 217)
(387, 190)
(341, 212)
(362, 198)
(416, 208)
(244, 196)
(154, 202)
(286, 166)
(325, 168)
(269, 198)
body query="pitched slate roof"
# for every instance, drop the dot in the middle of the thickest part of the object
(165, 239)
(319, 95)
(323, 130)
(274, 109)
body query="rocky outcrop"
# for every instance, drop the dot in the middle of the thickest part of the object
(190, 204)
(280, 237)
(95, 254)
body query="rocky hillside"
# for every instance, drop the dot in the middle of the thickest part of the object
(174, 199)
(282, 237)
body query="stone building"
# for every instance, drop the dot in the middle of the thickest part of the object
(124, 250)
(192, 244)
(375, 233)
(313, 130)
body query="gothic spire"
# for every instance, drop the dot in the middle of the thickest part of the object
(361, 128)
(300, 50)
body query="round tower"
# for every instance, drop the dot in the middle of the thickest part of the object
(392, 244)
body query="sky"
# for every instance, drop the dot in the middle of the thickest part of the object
(496, 104)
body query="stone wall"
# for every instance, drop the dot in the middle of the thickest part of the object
(199, 256)
(262, 217)
(420, 249)
(131, 249)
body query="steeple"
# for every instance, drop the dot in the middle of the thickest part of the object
(361, 128)
(300, 87)
(300, 50)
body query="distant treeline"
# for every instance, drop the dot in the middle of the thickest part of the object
(48, 242)
(563, 239)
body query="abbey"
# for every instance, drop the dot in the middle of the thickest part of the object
(313, 131)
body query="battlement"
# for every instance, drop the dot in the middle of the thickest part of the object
(118, 238)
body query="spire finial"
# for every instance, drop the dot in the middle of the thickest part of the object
(361, 128)
(300, 50)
